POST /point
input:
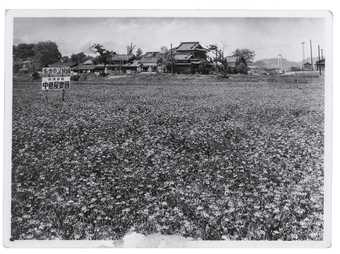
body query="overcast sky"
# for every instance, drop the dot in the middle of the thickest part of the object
(267, 36)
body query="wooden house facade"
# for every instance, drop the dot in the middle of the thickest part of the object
(189, 57)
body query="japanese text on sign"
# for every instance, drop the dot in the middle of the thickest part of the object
(55, 78)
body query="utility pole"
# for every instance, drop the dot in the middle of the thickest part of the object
(321, 53)
(311, 54)
(318, 65)
(303, 54)
(172, 62)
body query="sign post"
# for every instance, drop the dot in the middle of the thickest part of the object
(56, 78)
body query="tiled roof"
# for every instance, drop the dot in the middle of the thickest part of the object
(151, 54)
(121, 57)
(182, 57)
(187, 45)
(89, 61)
(190, 45)
(145, 60)
(84, 67)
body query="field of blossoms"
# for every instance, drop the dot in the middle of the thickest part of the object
(203, 159)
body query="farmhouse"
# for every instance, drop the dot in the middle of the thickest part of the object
(152, 62)
(85, 67)
(133, 67)
(63, 64)
(189, 57)
(120, 63)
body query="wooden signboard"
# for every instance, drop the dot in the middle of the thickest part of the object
(56, 78)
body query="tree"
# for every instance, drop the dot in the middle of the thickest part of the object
(246, 54)
(23, 51)
(65, 59)
(104, 55)
(241, 67)
(164, 50)
(79, 57)
(139, 53)
(216, 51)
(219, 59)
(130, 48)
(46, 52)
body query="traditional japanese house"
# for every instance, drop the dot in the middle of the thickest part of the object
(151, 62)
(120, 63)
(85, 67)
(189, 57)
(133, 67)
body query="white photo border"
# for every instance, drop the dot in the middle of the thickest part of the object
(8, 93)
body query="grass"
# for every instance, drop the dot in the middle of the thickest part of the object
(198, 157)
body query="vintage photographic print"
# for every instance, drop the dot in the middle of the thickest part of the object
(158, 129)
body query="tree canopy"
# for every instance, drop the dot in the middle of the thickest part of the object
(23, 51)
(139, 52)
(104, 55)
(130, 49)
(46, 52)
(79, 57)
(247, 54)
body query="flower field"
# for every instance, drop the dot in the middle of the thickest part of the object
(211, 160)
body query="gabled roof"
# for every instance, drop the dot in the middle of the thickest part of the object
(181, 57)
(84, 67)
(190, 45)
(121, 57)
(151, 58)
(145, 60)
(151, 54)
(89, 61)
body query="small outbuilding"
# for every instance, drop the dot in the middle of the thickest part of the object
(151, 62)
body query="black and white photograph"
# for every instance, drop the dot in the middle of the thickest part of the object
(166, 129)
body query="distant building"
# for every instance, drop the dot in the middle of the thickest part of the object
(237, 65)
(189, 57)
(307, 66)
(25, 66)
(133, 67)
(120, 63)
(61, 64)
(88, 62)
(85, 67)
(254, 70)
(152, 62)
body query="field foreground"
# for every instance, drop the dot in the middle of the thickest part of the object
(205, 160)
